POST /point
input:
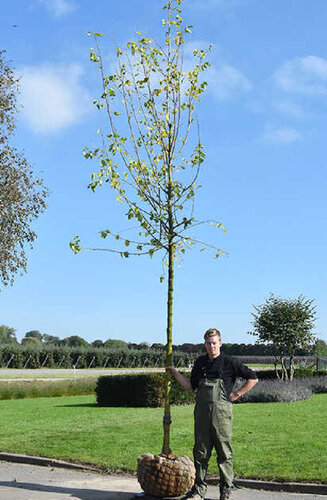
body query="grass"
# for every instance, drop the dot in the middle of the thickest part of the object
(281, 441)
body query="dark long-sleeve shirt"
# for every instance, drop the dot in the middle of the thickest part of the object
(225, 367)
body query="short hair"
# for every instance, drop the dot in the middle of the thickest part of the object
(211, 333)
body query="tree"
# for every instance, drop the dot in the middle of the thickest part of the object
(22, 196)
(7, 335)
(320, 347)
(75, 341)
(147, 156)
(115, 344)
(286, 324)
(31, 341)
(97, 343)
(51, 339)
(34, 333)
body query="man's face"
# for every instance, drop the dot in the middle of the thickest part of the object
(212, 345)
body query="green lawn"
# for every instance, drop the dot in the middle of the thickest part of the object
(286, 441)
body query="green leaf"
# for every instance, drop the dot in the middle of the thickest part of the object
(75, 245)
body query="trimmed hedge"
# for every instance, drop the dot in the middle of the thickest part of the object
(141, 390)
(298, 373)
(147, 390)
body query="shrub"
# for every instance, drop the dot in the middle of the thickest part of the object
(318, 385)
(270, 391)
(142, 390)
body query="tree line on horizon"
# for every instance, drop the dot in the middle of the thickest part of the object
(36, 338)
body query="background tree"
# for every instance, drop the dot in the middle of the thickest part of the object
(22, 196)
(31, 341)
(115, 344)
(7, 335)
(147, 156)
(34, 333)
(97, 343)
(51, 339)
(75, 341)
(320, 348)
(287, 324)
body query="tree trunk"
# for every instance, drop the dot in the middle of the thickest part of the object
(284, 369)
(169, 352)
(291, 373)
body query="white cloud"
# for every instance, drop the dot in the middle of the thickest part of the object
(306, 75)
(290, 109)
(282, 135)
(58, 8)
(52, 97)
(225, 82)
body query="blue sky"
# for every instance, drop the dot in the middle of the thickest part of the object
(263, 124)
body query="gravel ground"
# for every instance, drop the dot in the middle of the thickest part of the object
(66, 373)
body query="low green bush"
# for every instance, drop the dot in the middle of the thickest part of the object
(309, 372)
(276, 391)
(140, 390)
(40, 389)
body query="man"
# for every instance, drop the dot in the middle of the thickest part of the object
(213, 376)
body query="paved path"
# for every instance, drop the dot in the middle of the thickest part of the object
(66, 373)
(30, 482)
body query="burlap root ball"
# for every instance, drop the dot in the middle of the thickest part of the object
(161, 476)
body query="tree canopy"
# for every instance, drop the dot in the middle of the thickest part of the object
(22, 195)
(287, 324)
(34, 333)
(7, 335)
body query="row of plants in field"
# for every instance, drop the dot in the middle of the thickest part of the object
(52, 356)
(82, 357)
(46, 389)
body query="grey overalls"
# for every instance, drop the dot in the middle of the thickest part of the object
(213, 426)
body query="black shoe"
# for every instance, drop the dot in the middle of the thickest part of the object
(225, 493)
(193, 495)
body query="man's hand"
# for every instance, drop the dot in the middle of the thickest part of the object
(234, 396)
(246, 387)
(171, 369)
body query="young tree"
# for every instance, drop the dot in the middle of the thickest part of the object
(22, 196)
(147, 158)
(286, 324)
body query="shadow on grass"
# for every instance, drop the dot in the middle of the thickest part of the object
(82, 494)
